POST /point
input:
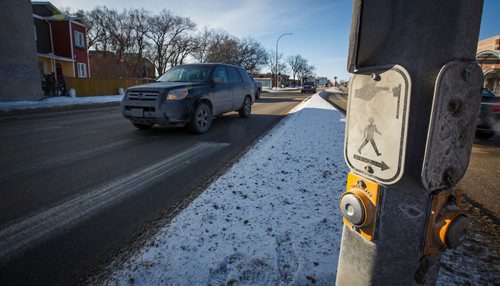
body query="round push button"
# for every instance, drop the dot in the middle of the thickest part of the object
(352, 208)
(457, 230)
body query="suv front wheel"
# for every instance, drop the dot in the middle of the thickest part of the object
(201, 120)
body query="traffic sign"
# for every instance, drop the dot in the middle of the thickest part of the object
(377, 120)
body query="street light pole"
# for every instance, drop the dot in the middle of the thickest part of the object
(276, 63)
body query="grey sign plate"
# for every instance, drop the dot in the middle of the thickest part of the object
(455, 110)
(377, 123)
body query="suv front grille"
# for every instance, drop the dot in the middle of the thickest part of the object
(143, 95)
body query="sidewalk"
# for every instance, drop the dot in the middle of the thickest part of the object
(273, 218)
(58, 103)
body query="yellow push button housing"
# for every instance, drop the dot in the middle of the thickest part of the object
(358, 205)
(447, 224)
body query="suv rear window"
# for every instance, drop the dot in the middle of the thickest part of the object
(220, 72)
(234, 75)
(245, 76)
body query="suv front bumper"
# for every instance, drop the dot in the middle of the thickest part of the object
(156, 112)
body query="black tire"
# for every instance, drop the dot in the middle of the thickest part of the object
(143, 126)
(246, 108)
(201, 120)
(257, 94)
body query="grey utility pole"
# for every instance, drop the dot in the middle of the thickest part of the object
(413, 104)
(276, 63)
(18, 66)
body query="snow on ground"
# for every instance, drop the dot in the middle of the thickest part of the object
(57, 101)
(277, 90)
(272, 219)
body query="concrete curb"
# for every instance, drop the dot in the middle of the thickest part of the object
(48, 111)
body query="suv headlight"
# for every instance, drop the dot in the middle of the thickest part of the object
(177, 94)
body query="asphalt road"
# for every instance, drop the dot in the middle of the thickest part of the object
(480, 182)
(79, 188)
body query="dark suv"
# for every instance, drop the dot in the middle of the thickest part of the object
(190, 95)
(308, 87)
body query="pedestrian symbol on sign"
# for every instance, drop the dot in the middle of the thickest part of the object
(369, 132)
(377, 122)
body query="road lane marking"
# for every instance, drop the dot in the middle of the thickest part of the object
(64, 159)
(45, 224)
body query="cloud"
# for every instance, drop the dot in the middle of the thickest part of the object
(240, 18)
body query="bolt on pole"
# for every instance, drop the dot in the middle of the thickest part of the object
(413, 102)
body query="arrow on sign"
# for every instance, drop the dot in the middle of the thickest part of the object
(382, 165)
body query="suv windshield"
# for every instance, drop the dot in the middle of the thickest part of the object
(186, 74)
(309, 83)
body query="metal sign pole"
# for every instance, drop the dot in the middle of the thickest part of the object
(413, 103)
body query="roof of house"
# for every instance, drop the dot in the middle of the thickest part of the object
(48, 11)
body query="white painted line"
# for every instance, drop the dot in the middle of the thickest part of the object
(45, 224)
(64, 159)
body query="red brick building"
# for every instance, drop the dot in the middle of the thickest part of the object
(109, 65)
(61, 42)
(488, 57)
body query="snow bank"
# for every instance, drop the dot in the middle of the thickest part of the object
(57, 101)
(272, 219)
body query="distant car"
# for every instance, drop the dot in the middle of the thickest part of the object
(258, 88)
(489, 117)
(308, 87)
(190, 95)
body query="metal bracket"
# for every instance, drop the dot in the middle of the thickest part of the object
(457, 97)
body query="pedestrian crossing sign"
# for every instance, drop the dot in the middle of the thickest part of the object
(377, 123)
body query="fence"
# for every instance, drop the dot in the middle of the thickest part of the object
(100, 86)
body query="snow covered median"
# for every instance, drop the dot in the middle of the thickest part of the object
(272, 219)
(58, 101)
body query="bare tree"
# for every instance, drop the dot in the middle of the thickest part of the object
(306, 71)
(139, 22)
(183, 46)
(128, 37)
(277, 67)
(296, 62)
(120, 29)
(165, 29)
(223, 48)
(97, 32)
(202, 44)
(251, 55)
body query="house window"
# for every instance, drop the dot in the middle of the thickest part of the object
(82, 70)
(79, 39)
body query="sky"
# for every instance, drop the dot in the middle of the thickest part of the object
(320, 28)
